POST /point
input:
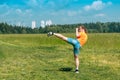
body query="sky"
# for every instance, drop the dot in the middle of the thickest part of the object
(59, 11)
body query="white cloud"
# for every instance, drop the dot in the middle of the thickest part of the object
(28, 10)
(109, 3)
(32, 3)
(97, 5)
(73, 13)
(100, 15)
(4, 10)
(18, 10)
(4, 6)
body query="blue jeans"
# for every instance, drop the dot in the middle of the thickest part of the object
(76, 45)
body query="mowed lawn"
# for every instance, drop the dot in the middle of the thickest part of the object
(38, 57)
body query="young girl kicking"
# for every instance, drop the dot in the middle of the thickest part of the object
(81, 38)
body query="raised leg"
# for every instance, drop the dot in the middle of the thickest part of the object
(60, 36)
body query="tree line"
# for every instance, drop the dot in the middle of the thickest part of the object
(98, 27)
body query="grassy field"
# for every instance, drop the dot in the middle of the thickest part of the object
(37, 57)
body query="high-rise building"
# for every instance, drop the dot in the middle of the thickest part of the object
(45, 23)
(48, 22)
(33, 24)
(42, 23)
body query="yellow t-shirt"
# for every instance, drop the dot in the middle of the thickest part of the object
(82, 38)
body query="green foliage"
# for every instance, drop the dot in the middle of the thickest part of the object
(38, 57)
(98, 27)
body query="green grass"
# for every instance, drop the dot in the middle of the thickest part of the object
(37, 57)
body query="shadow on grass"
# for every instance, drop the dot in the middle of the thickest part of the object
(67, 69)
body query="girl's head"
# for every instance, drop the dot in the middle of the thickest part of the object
(82, 29)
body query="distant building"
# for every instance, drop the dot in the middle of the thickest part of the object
(33, 24)
(48, 22)
(42, 23)
(45, 23)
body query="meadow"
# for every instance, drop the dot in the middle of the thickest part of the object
(38, 57)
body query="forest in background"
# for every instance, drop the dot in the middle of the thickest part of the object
(98, 27)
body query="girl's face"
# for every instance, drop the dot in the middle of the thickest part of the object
(80, 29)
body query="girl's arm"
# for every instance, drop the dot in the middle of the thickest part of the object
(77, 33)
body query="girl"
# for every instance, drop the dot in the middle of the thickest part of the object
(81, 38)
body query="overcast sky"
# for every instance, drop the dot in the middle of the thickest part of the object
(59, 11)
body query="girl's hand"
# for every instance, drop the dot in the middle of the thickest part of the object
(76, 29)
(77, 32)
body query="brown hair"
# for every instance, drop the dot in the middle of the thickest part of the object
(83, 27)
